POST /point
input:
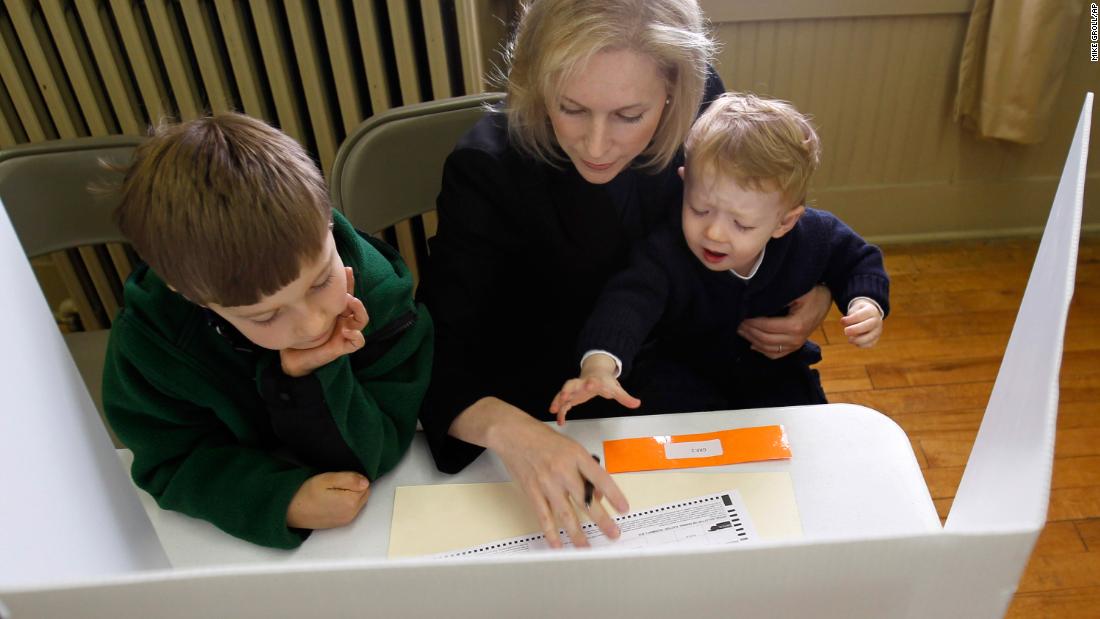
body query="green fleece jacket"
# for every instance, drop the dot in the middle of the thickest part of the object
(188, 404)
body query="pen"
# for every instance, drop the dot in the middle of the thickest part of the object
(588, 487)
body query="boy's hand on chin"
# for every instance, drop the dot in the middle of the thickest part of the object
(346, 337)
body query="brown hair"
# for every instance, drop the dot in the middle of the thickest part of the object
(226, 209)
(555, 38)
(756, 141)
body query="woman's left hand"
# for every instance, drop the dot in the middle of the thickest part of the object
(779, 337)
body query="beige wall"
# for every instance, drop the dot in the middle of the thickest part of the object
(879, 78)
(880, 83)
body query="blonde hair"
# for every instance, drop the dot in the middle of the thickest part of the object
(756, 141)
(226, 209)
(556, 38)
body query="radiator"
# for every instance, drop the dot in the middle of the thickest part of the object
(315, 69)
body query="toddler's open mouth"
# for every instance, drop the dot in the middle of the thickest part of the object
(713, 256)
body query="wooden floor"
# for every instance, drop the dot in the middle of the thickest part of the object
(953, 307)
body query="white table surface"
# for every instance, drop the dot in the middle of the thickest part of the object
(853, 471)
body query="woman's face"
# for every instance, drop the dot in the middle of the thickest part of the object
(606, 115)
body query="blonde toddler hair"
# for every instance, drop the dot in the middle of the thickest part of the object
(757, 141)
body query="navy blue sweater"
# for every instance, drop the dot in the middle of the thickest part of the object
(523, 250)
(693, 313)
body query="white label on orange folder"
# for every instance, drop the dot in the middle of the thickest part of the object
(696, 449)
(651, 453)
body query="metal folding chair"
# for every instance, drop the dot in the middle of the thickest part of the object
(45, 190)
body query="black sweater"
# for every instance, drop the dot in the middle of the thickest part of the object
(693, 312)
(522, 252)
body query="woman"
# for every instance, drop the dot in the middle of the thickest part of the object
(539, 206)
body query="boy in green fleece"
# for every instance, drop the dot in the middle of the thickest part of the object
(269, 361)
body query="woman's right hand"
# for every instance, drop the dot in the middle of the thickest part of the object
(551, 468)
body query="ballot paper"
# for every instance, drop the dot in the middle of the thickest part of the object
(475, 514)
(710, 520)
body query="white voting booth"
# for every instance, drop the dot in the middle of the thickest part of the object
(75, 540)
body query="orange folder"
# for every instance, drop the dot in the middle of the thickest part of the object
(651, 453)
